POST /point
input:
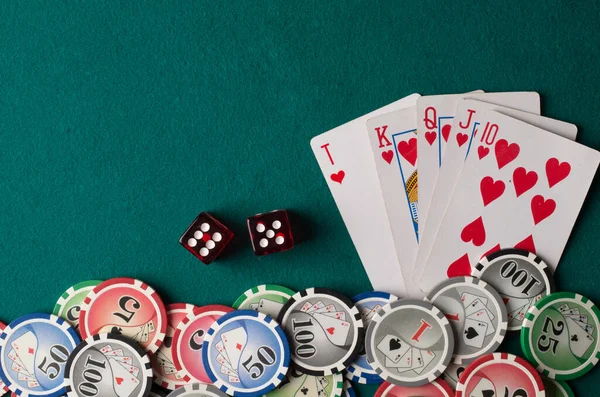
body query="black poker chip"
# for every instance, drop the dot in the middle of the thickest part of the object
(325, 331)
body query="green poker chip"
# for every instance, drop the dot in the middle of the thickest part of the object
(267, 299)
(69, 304)
(560, 335)
(556, 388)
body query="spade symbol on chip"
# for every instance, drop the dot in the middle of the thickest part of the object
(574, 338)
(116, 330)
(471, 333)
(395, 344)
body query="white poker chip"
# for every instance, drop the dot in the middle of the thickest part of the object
(476, 313)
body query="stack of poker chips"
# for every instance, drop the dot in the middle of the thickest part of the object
(118, 338)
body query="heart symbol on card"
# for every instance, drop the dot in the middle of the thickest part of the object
(541, 208)
(461, 139)
(524, 180)
(330, 330)
(395, 344)
(471, 333)
(526, 244)
(430, 137)
(556, 171)
(408, 150)
(119, 380)
(505, 152)
(491, 250)
(482, 151)
(338, 176)
(460, 267)
(388, 156)
(474, 232)
(446, 131)
(490, 189)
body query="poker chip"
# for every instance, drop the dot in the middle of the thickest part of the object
(108, 365)
(409, 342)
(367, 303)
(436, 388)
(348, 390)
(300, 385)
(452, 374)
(197, 390)
(187, 342)
(69, 304)
(246, 353)
(266, 298)
(128, 307)
(325, 331)
(163, 367)
(33, 353)
(500, 374)
(560, 335)
(476, 313)
(556, 388)
(520, 277)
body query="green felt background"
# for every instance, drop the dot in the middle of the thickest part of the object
(120, 121)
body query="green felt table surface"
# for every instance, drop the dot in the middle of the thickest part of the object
(120, 121)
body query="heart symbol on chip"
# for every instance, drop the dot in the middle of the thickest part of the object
(119, 380)
(388, 156)
(430, 137)
(330, 330)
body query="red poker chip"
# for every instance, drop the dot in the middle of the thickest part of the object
(436, 388)
(187, 342)
(165, 373)
(500, 374)
(125, 306)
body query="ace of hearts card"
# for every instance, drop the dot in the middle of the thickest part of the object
(524, 188)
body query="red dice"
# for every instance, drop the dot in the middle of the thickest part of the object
(206, 237)
(270, 232)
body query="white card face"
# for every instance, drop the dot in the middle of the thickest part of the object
(526, 192)
(124, 383)
(26, 347)
(337, 330)
(434, 120)
(582, 342)
(347, 163)
(393, 138)
(393, 347)
(467, 121)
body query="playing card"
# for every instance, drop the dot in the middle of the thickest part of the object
(517, 315)
(335, 330)
(234, 342)
(485, 316)
(405, 361)
(25, 347)
(221, 359)
(317, 306)
(12, 354)
(114, 353)
(326, 309)
(393, 139)
(393, 347)
(468, 298)
(130, 368)
(469, 114)
(434, 115)
(124, 383)
(525, 188)
(306, 306)
(346, 161)
(220, 346)
(269, 307)
(20, 369)
(337, 315)
(474, 333)
(579, 340)
(417, 360)
(476, 306)
(427, 356)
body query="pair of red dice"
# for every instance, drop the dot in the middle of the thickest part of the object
(207, 237)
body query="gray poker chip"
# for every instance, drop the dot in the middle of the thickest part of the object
(520, 277)
(108, 365)
(409, 342)
(197, 390)
(452, 374)
(324, 329)
(476, 313)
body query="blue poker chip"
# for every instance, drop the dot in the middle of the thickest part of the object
(34, 350)
(368, 303)
(348, 390)
(246, 353)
